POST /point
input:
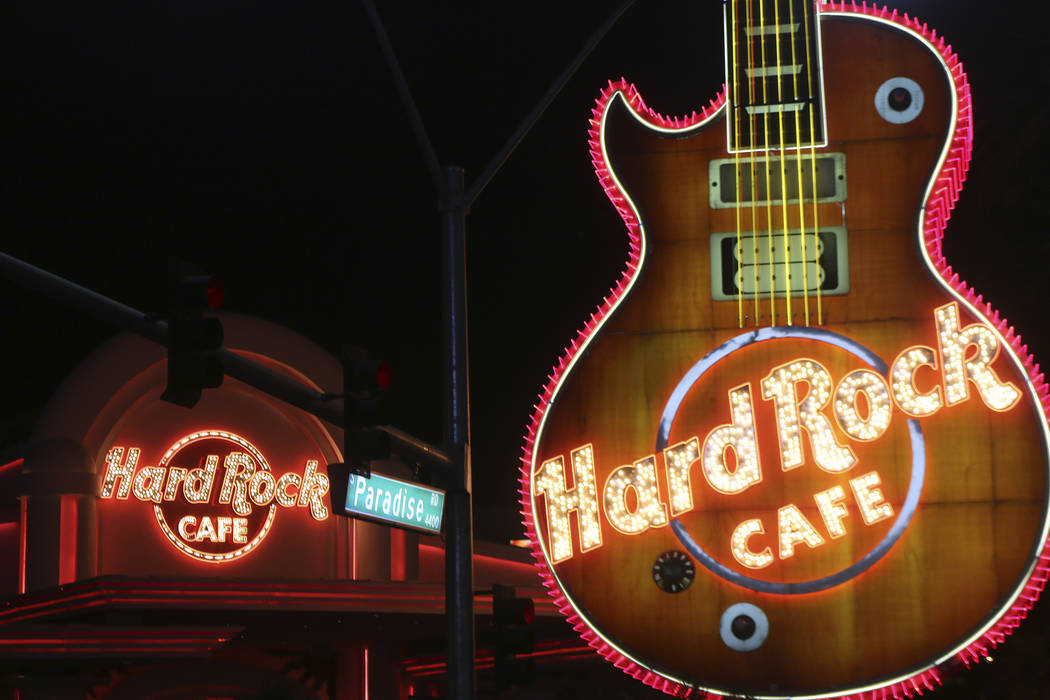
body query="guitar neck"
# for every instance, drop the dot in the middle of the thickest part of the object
(773, 73)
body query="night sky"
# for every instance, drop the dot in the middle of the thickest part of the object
(265, 142)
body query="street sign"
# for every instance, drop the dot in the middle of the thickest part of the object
(396, 502)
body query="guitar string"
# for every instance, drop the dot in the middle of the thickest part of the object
(768, 168)
(798, 166)
(782, 165)
(752, 159)
(813, 100)
(735, 102)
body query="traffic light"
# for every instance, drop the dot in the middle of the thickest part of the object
(512, 628)
(193, 339)
(364, 381)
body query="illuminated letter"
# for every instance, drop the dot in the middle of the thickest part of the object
(262, 487)
(874, 388)
(561, 500)
(957, 368)
(207, 530)
(175, 477)
(240, 530)
(902, 377)
(239, 469)
(679, 459)
(740, 436)
(225, 527)
(794, 528)
(315, 486)
(650, 512)
(155, 477)
(115, 470)
(291, 479)
(781, 385)
(197, 486)
(873, 505)
(184, 529)
(832, 510)
(742, 553)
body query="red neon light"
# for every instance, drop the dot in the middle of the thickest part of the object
(22, 518)
(525, 567)
(945, 192)
(14, 466)
(363, 596)
(353, 549)
(485, 658)
(364, 662)
(66, 640)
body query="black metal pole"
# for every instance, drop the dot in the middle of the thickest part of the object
(540, 107)
(454, 201)
(459, 537)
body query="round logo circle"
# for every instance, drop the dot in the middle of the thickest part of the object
(207, 512)
(868, 559)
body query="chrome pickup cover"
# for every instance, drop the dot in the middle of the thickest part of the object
(756, 265)
(769, 179)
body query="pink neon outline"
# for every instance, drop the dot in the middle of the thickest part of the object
(944, 193)
(364, 681)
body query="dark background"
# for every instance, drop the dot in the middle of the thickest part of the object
(265, 141)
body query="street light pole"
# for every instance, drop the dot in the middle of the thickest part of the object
(454, 201)
(459, 532)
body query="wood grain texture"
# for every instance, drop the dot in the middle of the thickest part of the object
(984, 501)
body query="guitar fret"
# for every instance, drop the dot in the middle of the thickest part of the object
(767, 29)
(773, 71)
(775, 108)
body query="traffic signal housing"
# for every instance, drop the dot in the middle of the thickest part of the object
(364, 381)
(193, 339)
(512, 630)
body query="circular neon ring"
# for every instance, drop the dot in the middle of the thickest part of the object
(911, 501)
(174, 539)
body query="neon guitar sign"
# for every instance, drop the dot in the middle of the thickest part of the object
(792, 455)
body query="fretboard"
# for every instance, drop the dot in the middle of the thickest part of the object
(773, 74)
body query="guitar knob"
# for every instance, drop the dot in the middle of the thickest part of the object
(744, 627)
(899, 100)
(673, 571)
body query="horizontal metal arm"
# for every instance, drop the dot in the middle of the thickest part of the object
(103, 308)
(411, 447)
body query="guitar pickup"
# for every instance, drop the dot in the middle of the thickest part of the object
(755, 265)
(777, 181)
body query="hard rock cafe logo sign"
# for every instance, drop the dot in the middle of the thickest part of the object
(214, 494)
(861, 404)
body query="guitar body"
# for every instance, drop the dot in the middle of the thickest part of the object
(958, 506)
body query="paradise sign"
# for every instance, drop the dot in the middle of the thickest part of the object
(793, 454)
